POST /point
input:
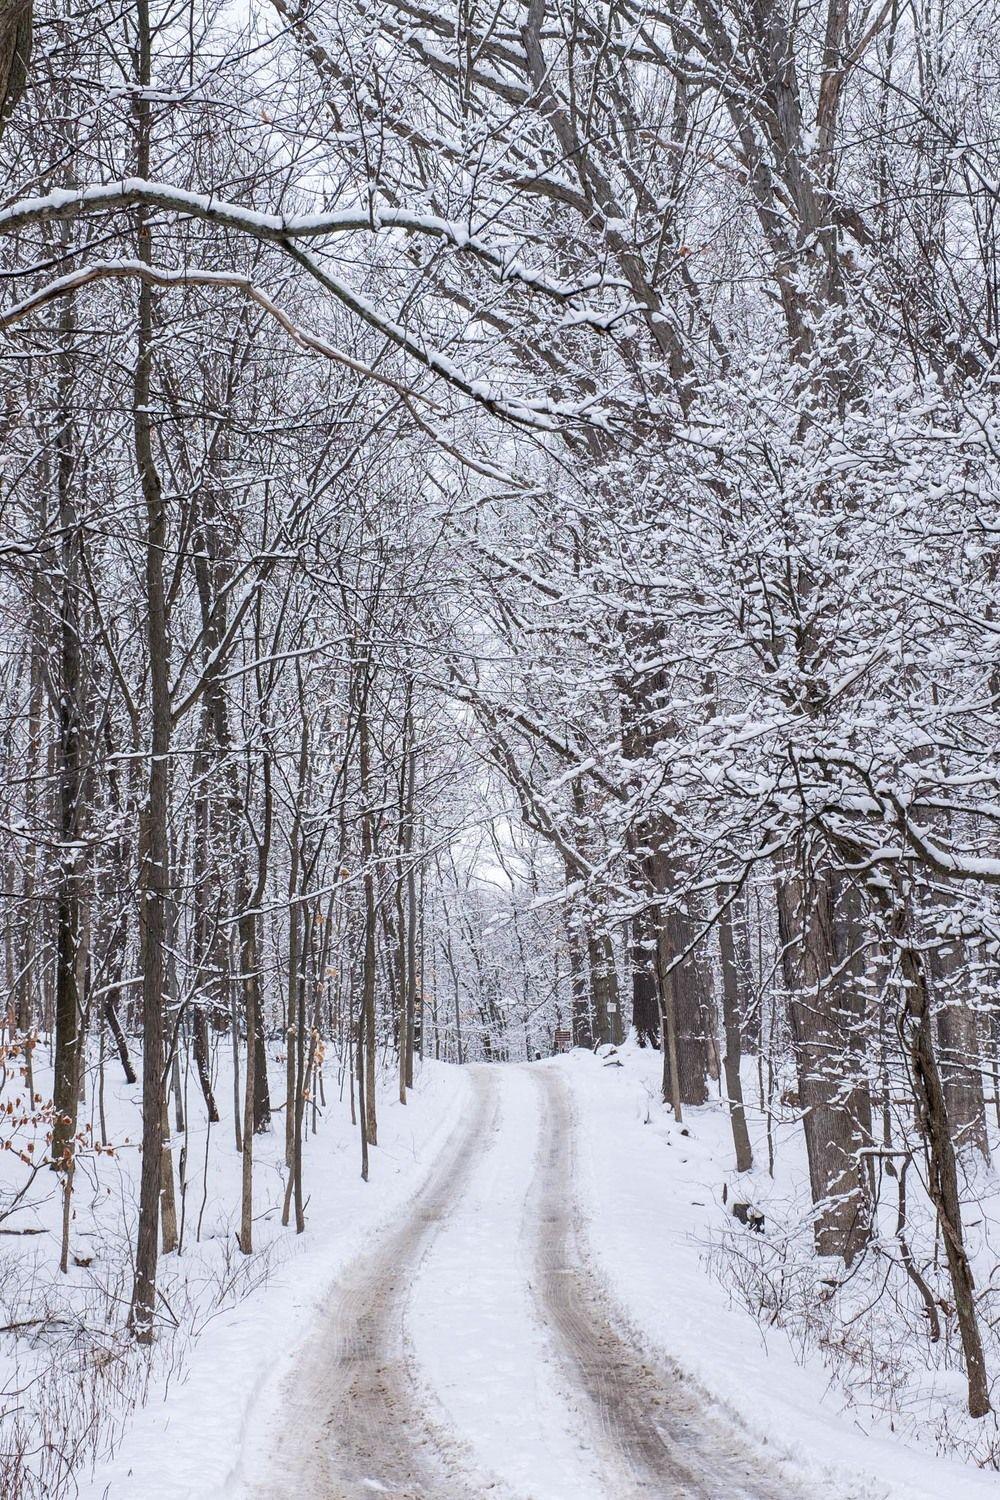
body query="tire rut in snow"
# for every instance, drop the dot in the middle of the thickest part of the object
(657, 1424)
(352, 1428)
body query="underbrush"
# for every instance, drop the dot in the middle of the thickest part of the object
(70, 1374)
(868, 1326)
(75, 1376)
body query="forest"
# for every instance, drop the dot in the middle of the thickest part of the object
(499, 557)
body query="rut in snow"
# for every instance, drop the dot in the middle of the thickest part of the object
(355, 1423)
(353, 1428)
(658, 1429)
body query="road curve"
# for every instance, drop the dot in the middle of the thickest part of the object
(354, 1424)
(352, 1428)
(658, 1433)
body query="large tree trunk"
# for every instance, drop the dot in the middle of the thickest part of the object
(154, 872)
(583, 1035)
(959, 1044)
(645, 987)
(15, 54)
(686, 998)
(604, 995)
(154, 885)
(825, 1009)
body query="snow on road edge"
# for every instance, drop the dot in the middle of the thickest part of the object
(649, 1196)
(199, 1441)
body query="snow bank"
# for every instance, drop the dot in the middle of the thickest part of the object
(652, 1197)
(213, 1386)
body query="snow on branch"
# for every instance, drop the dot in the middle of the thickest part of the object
(136, 192)
(167, 276)
(541, 414)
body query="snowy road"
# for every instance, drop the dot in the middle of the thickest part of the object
(352, 1424)
(473, 1349)
(664, 1434)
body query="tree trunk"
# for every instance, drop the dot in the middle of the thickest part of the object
(731, 992)
(154, 873)
(366, 1052)
(115, 1027)
(204, 930)
(168, 1197)
(583, 1035)
(604, 988)
(685, 998)
(68, 995)
(248, 963)
(917, 1032)
(154, 887)
(823, 1009)
(957, 1027)
(411, 895)
(668, 1026)
(645, 986)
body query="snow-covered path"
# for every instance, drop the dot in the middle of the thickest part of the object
(665, 1433)
(351, 1423)
(472, 1350)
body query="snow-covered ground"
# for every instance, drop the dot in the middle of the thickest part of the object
(653, 1204)
(239, 1318)
(477, 1335)
(189, 1443)
(477, 1329)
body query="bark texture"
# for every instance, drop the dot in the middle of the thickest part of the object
(826, 1012)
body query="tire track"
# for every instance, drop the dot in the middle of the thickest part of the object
(655, 1426)
(351, 1428)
